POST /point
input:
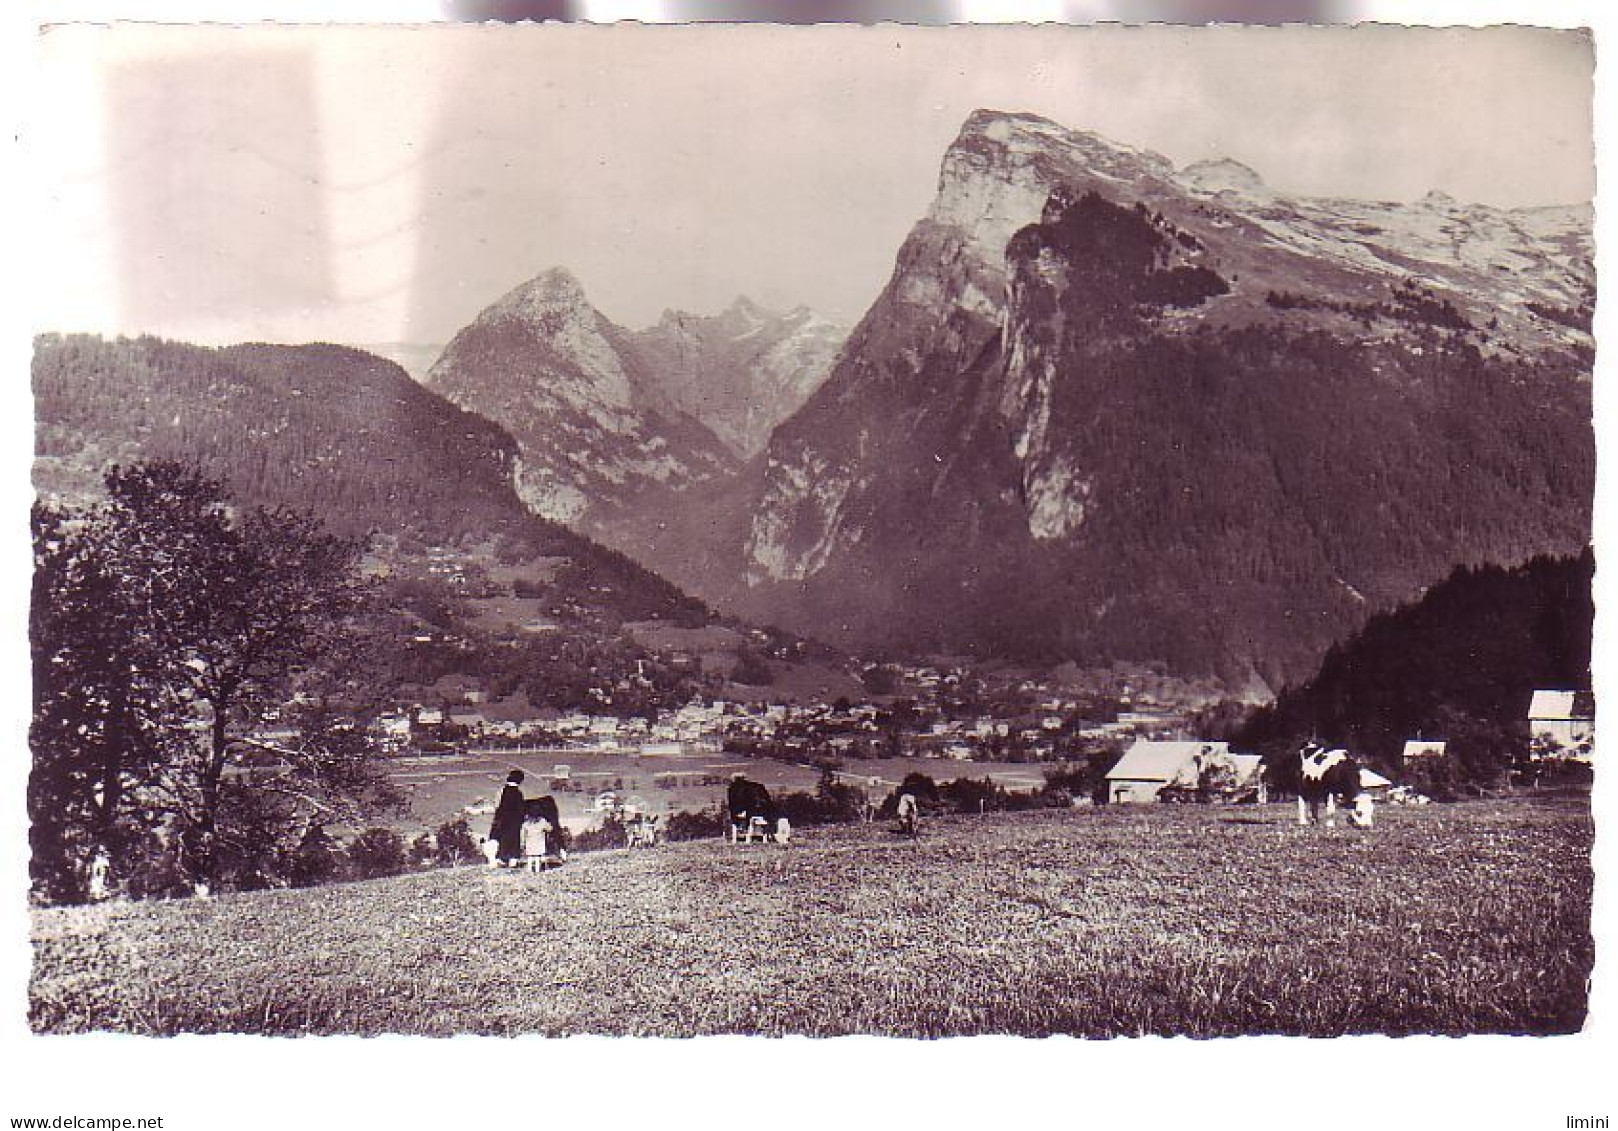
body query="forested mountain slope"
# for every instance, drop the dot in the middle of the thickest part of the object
(320, 427)
(1459, 665)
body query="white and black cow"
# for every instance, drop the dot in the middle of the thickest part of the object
(1327, 778)
(752, 811)
(908, 811)
(642, 831)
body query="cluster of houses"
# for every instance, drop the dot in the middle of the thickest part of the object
(1036, 726)
(1039, 730)
(1561, 724)
(695, 727)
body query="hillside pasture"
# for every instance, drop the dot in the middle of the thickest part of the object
(1457, 919)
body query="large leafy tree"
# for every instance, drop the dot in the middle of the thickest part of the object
(167, 629)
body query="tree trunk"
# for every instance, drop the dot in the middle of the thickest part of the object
(108, 798)
(198, 853)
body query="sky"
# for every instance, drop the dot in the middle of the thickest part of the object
(371, 185)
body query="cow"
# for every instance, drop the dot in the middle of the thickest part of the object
(641, 831)
(909, 813)
(752, 811)
(1327, 777)
(542, 833)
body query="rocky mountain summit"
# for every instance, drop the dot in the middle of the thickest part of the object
(1107, 408)
(610, 422)
(594, 429)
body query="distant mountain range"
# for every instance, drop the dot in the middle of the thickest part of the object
(609, 422)
(1104, 409)
(1108, 409)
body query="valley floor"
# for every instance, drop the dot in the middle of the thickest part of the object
(1169, 920)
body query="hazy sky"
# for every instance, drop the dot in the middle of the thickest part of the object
(373, 185)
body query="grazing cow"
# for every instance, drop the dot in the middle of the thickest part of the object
(909, 814)
(641, 830)
(1328, 777)
(752, 810)
(871, 796)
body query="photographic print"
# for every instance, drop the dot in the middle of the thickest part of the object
(893, 531)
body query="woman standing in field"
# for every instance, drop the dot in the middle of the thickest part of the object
(506, 829)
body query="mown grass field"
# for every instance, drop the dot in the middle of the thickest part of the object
(1172, 920)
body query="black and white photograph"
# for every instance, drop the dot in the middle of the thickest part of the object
(544, 530)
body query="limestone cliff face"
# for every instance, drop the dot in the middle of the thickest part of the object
(1104, 407)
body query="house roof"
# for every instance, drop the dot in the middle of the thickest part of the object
(1150, 760)
(1370, 779)
(1421, 748)
(1562, 705)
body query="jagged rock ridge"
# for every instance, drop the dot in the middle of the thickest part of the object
(611, 423)
(742, 371)
(593, 430)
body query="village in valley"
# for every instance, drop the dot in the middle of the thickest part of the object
(1127, 734)
(943, 722)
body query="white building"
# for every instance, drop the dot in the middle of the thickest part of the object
(1416, 749)
(1564, 722)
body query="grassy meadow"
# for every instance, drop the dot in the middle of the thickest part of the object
(1211, 921)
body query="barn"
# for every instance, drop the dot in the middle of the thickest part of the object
(1150, 765)
(1418, 748)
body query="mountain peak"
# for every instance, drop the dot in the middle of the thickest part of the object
(746, 306)
(557, 281)
(1019, 132)
(554, 293)
(998, 172)
(984, 119)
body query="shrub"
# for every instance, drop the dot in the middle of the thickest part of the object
(377, 852)
(1085, 778)
(837, 805)
(455, 844)
(610, 835)
(703, 824)
(968, 795)
(316, 860)
(423, 851)
(840, 803)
